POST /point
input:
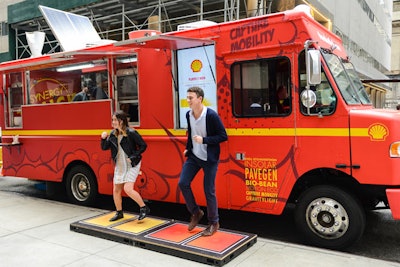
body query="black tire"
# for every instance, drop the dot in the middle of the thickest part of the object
(329, 217)
(81, 186)
(55, 190)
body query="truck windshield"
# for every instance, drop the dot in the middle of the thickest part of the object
(347, 80)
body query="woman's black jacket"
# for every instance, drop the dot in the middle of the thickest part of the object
(132, 144)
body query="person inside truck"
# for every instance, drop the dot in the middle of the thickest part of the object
(256, 107)
(82, 95)
(99, 91)
(326, 99)
(256, 102)
(283, 100)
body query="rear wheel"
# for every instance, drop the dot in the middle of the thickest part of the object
(329, 217)
(81, 185)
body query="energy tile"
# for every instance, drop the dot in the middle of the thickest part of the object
(168, 236)
(104, 220)
(175, 233)
(137, 227)
(218, 242)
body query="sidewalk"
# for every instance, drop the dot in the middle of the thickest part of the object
(36, 232)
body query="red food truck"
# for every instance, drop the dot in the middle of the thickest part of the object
(318, 143)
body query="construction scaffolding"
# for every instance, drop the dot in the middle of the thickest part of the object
(114, 19)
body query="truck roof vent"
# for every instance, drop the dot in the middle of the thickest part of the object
(305, 8)
(195, 25)
(142, 33)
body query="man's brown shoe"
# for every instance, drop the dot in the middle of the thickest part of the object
(211, 229)
(194, 220)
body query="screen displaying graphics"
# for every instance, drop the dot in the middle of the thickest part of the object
(196, 67)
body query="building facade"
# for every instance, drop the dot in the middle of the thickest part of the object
(393, 97)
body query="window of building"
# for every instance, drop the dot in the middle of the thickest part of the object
(3, 28)
(261, 88)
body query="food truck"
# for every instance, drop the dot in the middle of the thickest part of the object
(317, 142)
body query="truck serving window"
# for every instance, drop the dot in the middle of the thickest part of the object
(261, 88)
(13, 99)
(127, 88)
(62, 84)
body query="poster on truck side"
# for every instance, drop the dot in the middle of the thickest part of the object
(196, 67)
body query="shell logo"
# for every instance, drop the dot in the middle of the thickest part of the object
(196, 65)
(378, 132)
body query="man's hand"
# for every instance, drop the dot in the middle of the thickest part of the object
(198, 139)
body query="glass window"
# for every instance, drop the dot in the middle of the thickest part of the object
(326, 97)
(14, 100)
(127, 88)
(347, 80)
(3, 28)
(97, 84)
(261, 88)
(356, 82)
(69, 83)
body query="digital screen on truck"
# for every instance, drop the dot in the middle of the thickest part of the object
(196, 67)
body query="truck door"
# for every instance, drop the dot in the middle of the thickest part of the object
(261, 132)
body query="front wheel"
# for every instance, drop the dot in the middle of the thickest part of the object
(329, 217)
(81, 185)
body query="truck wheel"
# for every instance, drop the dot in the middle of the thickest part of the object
(81, 186)
(329, 217)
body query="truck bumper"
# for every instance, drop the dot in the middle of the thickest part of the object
(393, 196)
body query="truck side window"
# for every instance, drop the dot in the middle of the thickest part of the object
(51, 86)
(127, 88)
(97, 83)
(14, 100)
(261, 88)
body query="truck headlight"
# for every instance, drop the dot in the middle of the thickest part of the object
(395, 150)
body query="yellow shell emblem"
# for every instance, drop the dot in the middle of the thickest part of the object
(196, 65)
(378, 132)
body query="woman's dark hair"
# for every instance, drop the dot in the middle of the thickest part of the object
(121, 116)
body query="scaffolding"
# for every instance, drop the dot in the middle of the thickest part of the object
(114, 19)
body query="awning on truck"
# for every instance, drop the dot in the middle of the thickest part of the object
(69, 57)
(27, 63)
(164, 42)
(95, 52)
(122, 48)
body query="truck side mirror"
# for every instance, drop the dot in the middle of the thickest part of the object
(313, 62)
(308, 98)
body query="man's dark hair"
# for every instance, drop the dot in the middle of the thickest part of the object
(197, 90)
(89, 84)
